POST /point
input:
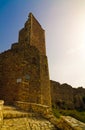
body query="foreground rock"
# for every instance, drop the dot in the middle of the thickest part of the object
(18, 120)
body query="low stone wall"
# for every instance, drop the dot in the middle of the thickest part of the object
(69, 123)
(33, 107)
(63, 123)
(1, 112)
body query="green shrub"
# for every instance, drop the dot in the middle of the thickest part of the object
(56, 112)
(74, 113)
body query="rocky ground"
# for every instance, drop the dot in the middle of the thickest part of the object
(17, 120)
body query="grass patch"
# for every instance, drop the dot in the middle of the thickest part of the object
(56, 112)
(79, 115)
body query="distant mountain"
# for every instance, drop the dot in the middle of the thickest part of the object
(66, 97)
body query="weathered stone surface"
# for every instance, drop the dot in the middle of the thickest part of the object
(18, 120)
(14, 119)
(69, 123)
(1, 112)
(24, 71)
(32, 123)
(34, 107)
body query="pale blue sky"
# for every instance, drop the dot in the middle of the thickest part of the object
(64, 24)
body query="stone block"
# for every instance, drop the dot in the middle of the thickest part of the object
(1, 112)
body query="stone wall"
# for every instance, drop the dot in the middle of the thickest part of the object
(1, 113)
(23, 76)
(33, 107)
(33, 34)
(24, 73)
(37, 35)
(45, 82)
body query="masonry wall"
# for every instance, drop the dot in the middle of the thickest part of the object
(45, 82)
(17, 64)
(37, 37)
(33, 34)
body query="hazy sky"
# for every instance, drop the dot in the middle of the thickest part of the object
(64, 24)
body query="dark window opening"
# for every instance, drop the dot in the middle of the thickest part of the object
(34, 61)
(26, 39)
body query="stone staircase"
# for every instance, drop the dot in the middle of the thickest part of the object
(13, 112)
(14, 119)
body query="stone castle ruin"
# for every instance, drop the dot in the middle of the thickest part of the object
(25, 85)
(24, 74)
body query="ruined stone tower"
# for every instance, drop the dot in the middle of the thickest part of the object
(24, 74)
